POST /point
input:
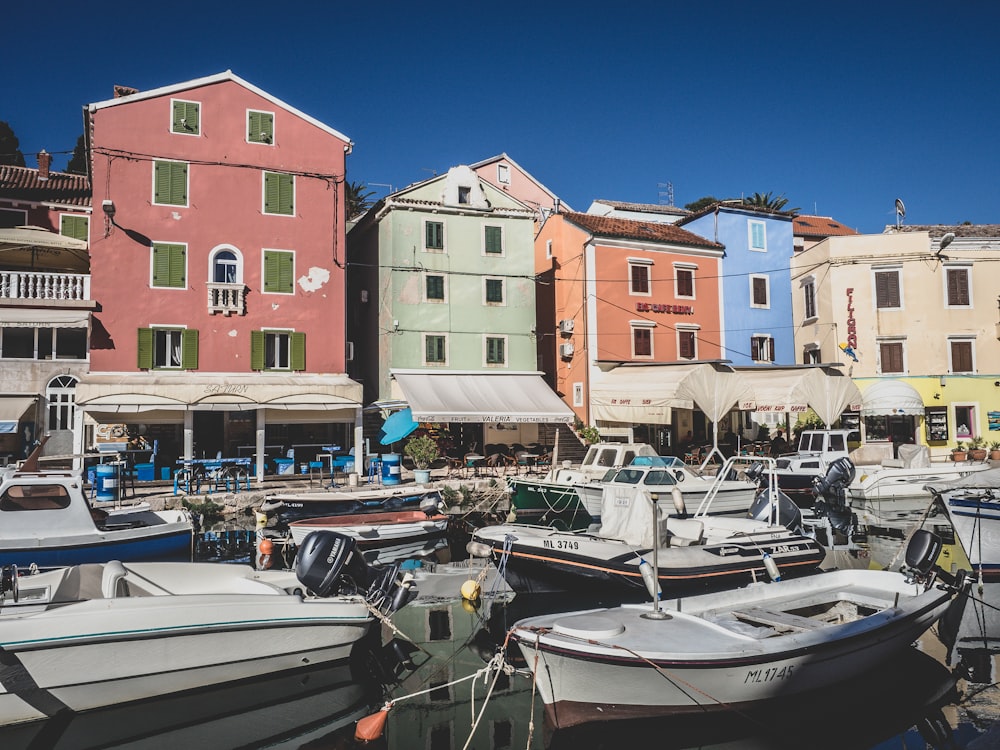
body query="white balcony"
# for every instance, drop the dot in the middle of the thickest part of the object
(44, 285)
(228, 299)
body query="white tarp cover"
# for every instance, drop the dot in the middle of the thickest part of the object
(481, 397)
(627, 515)
(987, 479)
(12, 408)
(890, 397)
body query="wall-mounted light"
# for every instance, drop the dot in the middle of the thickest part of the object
(109, 208)
(942, 381)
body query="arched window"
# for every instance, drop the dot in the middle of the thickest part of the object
(61, 395)
(226, 266)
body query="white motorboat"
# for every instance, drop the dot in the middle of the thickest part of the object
(973, 507)
(46, 520)
(281, 509)
(732, 649)
(376, 529)
(93, 636)
(694, 552)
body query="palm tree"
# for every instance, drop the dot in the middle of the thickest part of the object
(359, 199)
(768, 201)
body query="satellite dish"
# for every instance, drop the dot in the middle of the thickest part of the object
(900, 208)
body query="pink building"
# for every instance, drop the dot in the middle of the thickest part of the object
(217, 249)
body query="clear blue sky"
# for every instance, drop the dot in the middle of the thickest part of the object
(841, 106)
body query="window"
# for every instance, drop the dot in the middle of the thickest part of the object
(11, 218)
(279, 272)
(277, 350)
(168, 349)
(435, 349)
(957, 287)
(503, 174)
(890, 355)
(496, 350)
(26, 342)
(260, 127)
(184, 119)
(642, 339)
(811, 355)
(225, 268)
(965, 422)
(71, 225)
(434, 288)
(61, 395)
(170, 183)
(493, 240)
(684, 281)
(809, 299)
(169, 265)
(279, 193)
(433, 235)
(887, 289)
(687, 343)
(577, 394)
(18, 343)
(759, 291)
(761, 348)
(548, 248)
(493, 291)
(464, 194)
(35, 497)
(638, 272)
(961, 354)
(758, 235)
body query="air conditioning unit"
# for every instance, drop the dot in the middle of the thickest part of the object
(565, 351)
(566, 326)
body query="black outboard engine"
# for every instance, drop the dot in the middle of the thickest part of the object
(789, 514)
(329, 563)
(831, 495)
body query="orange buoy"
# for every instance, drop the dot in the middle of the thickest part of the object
(266, 547)
(371, 727)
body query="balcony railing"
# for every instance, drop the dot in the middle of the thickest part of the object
(228, 299)
(43, 285)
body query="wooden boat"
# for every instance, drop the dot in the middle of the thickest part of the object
(734, 649)
(95, 636)
(46, 520)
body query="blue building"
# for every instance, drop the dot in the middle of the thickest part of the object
(757, 323)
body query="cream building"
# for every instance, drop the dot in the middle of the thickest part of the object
(917, 307)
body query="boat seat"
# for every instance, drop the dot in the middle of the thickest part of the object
(779, 620)
(893, 463)
(113, 581)
(682, 532)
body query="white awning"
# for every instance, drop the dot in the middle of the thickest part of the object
(891, 397)
(481, 397)
(27, 317)
(645, 394)
(131, 393)
(16, 238)
(12, 408)
(798, 389)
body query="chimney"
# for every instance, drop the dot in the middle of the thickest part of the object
(44, 162)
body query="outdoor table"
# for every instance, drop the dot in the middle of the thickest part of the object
(214, 469)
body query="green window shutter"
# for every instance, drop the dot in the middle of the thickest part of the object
(170, 183)
(189, 349)
(494, 239)
(434, 235)
(435, 287)
(256, 350)
(169, 265)
(145, 349)
(279, 269)
(494, 351)
(297, 356)
(279, 193)
(494, 290)
(74, 226)
(185, 118)
(260, 127)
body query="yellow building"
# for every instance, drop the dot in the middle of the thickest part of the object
(912, 313)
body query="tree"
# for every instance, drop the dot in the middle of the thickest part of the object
(768, 201)
(78, 162)
(359, 199)
(701, 203)
(10, 151)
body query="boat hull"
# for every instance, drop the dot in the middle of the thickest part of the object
(616, 664)
(976, 521)
(376, 529)
(537, 502)
(166, 543)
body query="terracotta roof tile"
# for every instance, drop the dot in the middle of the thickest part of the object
(651, 208)
(22, 183)
(630, 229)
(819, 226)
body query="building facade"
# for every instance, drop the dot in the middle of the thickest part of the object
(217, 257)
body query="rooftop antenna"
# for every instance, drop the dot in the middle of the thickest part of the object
(666, 191)
(900, 212)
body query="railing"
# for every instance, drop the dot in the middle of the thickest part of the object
(42, 285)
(228, 299)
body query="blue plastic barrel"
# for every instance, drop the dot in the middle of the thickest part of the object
(107, 482)
(392, 468)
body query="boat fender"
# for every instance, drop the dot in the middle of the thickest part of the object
(678, 496)
(649, 578)
(372, 726)
(772, 567)
(265, 548)
(470, 590)
(260, 520)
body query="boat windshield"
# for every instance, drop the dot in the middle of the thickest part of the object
(630, 475)
(665, 462)
(601, 456)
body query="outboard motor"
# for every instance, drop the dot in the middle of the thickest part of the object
(329, 563)
(831, 495)
(789, 514)
(8, 583)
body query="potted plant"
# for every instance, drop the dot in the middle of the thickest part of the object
(958, 452)
(977, 448)
(424, 451)
(995, 450)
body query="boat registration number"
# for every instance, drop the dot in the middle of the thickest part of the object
(560, 544)
(771, 674)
